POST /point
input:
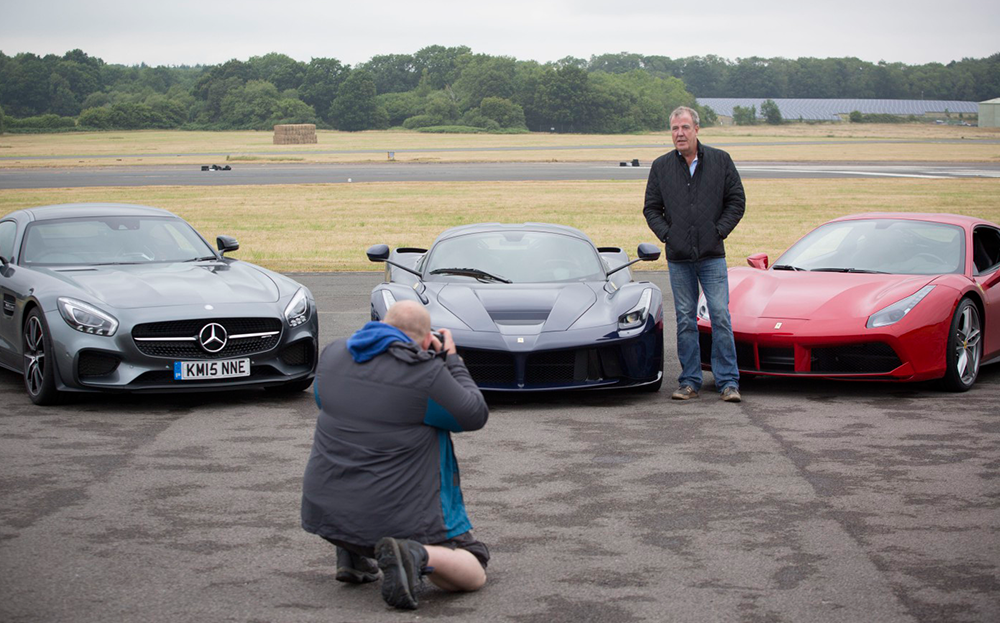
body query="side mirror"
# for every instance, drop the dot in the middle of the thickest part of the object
(648, 252)
(378, 253)
(758, 260)
(227, 243)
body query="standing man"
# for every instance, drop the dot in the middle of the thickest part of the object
(694, 199)
(382, 480)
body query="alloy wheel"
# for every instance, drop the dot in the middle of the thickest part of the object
(968, 345)
(34, 355)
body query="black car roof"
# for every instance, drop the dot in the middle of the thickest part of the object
(76, 210)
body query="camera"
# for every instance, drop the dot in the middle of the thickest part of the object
(437, 334)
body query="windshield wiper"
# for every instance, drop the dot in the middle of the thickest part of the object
(117, 263)
(481, 275)
(201, 259)
(849, 270)
(786, 267)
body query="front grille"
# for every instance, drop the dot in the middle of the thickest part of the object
(298, 354)
(91, 364)
(776, 359)
(554, 367)
(745, 358)
(573, 366)
(235, 347)
(489, 366)
(867, 358)
(558, 366)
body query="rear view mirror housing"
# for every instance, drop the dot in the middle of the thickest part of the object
(226, 244)
(648, 252)
(378, 253)
(758, 260)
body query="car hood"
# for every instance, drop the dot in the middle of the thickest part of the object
(546, 307)
(161, 285)
(816, 296)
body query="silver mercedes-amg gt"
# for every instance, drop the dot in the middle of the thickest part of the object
(114, 297)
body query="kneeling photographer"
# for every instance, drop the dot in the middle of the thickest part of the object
(382, 481)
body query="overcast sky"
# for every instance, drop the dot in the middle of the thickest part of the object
(208, 32)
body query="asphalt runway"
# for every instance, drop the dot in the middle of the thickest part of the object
(261, 174)
(807, 502)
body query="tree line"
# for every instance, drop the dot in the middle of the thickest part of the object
(444, 89)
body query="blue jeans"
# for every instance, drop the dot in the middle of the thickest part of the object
(714, 279)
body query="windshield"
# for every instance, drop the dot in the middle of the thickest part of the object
(112, 240)
(879, 245)
(515, 256)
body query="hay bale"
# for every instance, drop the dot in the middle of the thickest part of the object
(295, 134)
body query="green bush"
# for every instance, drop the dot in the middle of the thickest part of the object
(707, 115)
(473, 118)
(859, 117)
(450, 129)
(772, 114)
(41, 122)
(95, 118)
(745, 115)
(422, 121)
(504, 112)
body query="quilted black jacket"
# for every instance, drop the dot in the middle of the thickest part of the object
(694, 214)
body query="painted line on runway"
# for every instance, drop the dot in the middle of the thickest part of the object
(845, 172)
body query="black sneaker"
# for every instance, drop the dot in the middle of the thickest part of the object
(354, 569)
(402, 563)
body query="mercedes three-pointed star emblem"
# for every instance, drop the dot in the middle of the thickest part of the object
(213, 337)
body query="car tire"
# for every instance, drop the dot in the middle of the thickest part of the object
(38, 368)
(964, 349)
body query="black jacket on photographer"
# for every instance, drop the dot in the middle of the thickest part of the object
(694, 214)
(382, 461)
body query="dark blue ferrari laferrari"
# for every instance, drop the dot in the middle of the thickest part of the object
(533, 306)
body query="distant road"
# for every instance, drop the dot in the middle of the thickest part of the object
(266, 174)
(664, 145)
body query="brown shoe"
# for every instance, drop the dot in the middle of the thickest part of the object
(731, 394)
(684, 392)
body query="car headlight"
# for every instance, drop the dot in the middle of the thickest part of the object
(895, 312)
(297, 310)
(702, 309)
(636, 317)
(388, 299)
(86, 318)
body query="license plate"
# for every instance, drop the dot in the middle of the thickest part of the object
(199, 370)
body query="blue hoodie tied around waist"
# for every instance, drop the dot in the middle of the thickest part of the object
(373, 339)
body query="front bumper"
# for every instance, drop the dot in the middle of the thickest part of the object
(581, 359)
(118, 363)
(809, 349)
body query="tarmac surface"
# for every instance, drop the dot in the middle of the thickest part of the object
(807, 502)
(266, 174)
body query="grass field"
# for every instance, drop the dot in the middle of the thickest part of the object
(826, 142)
(323, 227)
